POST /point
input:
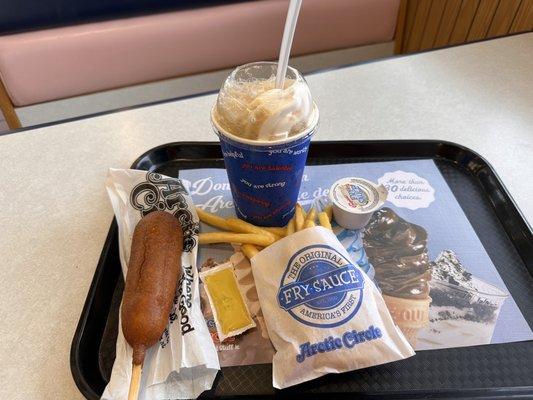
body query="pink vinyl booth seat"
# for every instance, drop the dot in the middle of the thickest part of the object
(57, 63)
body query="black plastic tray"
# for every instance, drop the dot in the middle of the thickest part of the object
(491, 371)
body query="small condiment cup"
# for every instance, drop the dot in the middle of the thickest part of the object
(354, 200)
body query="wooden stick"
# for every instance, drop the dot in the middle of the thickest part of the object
(135, 382)
(6, 106)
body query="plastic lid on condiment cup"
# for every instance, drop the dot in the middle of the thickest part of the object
(355, 200)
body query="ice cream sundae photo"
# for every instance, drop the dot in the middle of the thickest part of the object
(397, 250)
(437, 304)
(464, 308)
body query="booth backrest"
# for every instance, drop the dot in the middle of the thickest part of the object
(57, 63)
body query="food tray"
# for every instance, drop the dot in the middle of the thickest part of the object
(490, 371)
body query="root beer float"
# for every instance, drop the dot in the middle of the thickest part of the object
(265, 117)
(264, 132)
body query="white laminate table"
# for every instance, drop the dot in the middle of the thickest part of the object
(55, 213)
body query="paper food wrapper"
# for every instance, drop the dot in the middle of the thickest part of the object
(323, 314)
(184, 363)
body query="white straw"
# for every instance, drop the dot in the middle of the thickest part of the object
(286, 42)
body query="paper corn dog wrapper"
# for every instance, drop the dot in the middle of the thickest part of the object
(323, 314)
(184, 363)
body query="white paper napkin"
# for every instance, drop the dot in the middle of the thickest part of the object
(184, 363)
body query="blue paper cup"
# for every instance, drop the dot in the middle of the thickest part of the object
(265, 176)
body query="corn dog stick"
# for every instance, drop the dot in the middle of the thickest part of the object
(231, 237)
(324, 220)
(278, 231)
(135, 382)
(240, 226)
(249, 250)
(290, 227)
(299, 218)
(212, 219)
(329, 212)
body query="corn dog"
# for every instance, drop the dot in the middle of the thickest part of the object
(153, 272)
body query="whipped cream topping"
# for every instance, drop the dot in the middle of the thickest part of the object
(255, 109)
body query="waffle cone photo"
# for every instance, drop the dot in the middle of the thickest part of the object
(411, 315)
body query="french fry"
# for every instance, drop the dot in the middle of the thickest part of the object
(311, 215)
(290, 226)
(278, 231)
(231, 237)
(329, 212)
(249, 250)
(212, 219)
(299, 218)
(324, 220)
(240, 226)
(310, 218)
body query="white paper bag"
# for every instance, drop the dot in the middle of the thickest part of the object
(184, 363)
(323, 314)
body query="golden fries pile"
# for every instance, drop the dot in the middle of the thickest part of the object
(253, 238)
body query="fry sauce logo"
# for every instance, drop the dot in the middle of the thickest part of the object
(320, 287)
(354, 195)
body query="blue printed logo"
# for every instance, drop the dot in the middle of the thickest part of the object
(356, 193)
(320, 287)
